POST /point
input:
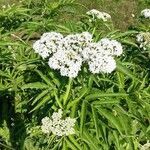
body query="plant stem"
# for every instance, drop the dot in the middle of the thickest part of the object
(58, 100)
(6, 146)
(89, 84)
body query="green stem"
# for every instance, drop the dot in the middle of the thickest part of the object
(74, 108)
(90, 81)
(6, 146)
(50, 140)
(58, 100)
(68, 88)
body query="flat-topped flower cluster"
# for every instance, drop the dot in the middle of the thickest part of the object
(96, 14)
(68, 54)
(146, 13)
(57, 125)
(143, 38)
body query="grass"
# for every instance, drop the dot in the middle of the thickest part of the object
(120, 10)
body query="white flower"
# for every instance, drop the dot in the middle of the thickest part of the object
(112, 47)
(49, 43)
(57, 125)
(102, 64)
(47, 124)
(98, 15)
(143, 38)
(67, 61)
(41, 49)
(109, 64)
(146, 13)
(57, 115)
(139, 38)
(98, 59)
(104, 16)
(77, 42)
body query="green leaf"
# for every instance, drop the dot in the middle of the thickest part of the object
(83, 116)
(74, 141)
(63, 29)
(70, 144)
(66, 94)
(42, 94)
(124, 34)
(121, 80)
(126, 71)
(83, 92)
(2, 87)
(56, 146)
(41, 103)
(3, 74)
(108, 100)
(111, 118)
(45, 78)
(90, 140)
(35, 85)
(98, 95)
(95, 118)
(130, 43)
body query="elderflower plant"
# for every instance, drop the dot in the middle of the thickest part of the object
(57, 125)
(95, 14)
(68, 54)
(145, 13)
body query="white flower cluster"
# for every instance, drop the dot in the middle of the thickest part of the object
(67, 54)
(145, 146)
(100, 55)
(112, 47)
(98, 15)
(146, 13)
(144, 39)
(68, 59)
(57, 125)
(48, 44)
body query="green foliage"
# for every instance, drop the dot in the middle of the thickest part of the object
(112, 111)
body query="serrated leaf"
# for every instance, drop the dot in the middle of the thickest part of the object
(126, 71)
(111, 118)
(82, 93)
(42, 94)
(41, 103)
(45, 78)
(74, 141)
(90, 140)
(71, 145)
